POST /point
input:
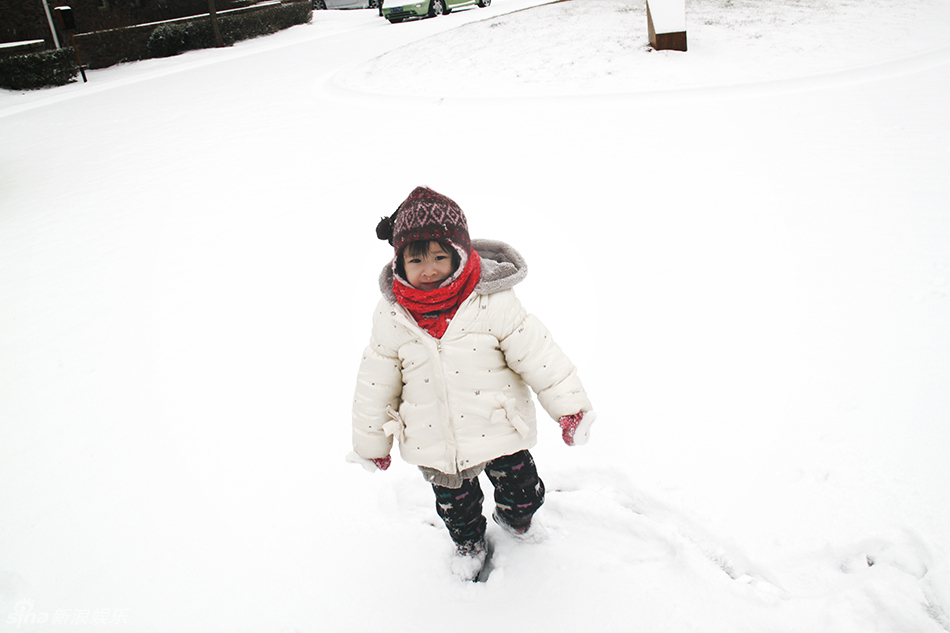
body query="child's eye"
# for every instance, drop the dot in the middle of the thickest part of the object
(415, 260)
(440, 257)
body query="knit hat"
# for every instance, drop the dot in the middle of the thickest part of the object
(425, 215)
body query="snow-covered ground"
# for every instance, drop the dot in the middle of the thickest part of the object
(745, 248)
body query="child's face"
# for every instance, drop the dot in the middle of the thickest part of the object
(429, 270)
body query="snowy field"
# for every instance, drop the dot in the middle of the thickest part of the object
(745, 248)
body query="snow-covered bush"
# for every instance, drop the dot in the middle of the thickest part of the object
(177, 37)
(243, 26)
(39, 70)
(170, 39)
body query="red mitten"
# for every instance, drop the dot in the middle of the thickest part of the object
(369, 465)
(575, 429)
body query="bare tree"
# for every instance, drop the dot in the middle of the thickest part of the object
(214, 24)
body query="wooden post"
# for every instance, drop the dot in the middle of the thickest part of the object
(666, 23)
(68, 22)
(82, 69)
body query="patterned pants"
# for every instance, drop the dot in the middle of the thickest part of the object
(519, 492)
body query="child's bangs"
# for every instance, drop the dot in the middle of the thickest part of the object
(420, 248)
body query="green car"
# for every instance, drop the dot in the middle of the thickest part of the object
(395, 12)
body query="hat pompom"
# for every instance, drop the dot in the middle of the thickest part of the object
(384, 230)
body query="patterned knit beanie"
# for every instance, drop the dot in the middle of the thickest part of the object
(425, 215)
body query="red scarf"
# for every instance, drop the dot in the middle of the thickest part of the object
(434, 309)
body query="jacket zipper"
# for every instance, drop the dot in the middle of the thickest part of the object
(445, 399)
(445, 389)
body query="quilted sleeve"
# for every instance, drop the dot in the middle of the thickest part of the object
(531, 351)
(378, 391)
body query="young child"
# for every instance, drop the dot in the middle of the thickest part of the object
(447, 372)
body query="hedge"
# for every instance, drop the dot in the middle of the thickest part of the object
(39, 70)
(100, 49)
(105, 48)
(177, 37)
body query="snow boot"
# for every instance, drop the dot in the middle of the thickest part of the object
(471, 560)
(518, 530)
(524, 531)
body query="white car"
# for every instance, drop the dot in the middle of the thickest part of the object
(344, 4)
(395, 12)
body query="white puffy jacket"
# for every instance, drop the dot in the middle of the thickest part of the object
(459, 401)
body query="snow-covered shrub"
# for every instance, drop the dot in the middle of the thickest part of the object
(243, 26)
(170, 39)
(39, 70)
(177, 37)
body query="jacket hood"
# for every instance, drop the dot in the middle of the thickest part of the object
(502, 268)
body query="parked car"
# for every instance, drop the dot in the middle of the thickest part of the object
(345, 4)
(395, 12)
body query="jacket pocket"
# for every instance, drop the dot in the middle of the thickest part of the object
(508, 413)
